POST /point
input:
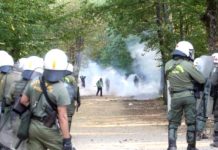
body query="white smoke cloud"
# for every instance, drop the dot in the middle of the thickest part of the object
(144, 66)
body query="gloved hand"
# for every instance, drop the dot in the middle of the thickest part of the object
(67, 145)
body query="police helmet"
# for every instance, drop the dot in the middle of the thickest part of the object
(184, 49)
(32, 67)
(21, 62)
(55, 65)
(6, 62)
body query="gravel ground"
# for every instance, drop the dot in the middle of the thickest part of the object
(120, 123)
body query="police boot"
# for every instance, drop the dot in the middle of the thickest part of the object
(204, 136)
(172, 145)
(172, 139)
(200, 136)
(171, 148)
(191, 147)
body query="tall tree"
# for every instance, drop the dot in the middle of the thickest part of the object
(31, 27)
(210, 19)
(162, 23)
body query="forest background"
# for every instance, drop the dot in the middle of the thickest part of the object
(101, 29)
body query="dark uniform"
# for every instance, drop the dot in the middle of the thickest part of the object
(107, 83)
(99, 85)
(83, 81)
(136, 81)
(202, 110)
(40, 136)
(215, 111)
(6, 134)
(45, 100)
(74, 93)
(182, 75)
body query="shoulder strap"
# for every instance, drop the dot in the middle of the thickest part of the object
(44, 90)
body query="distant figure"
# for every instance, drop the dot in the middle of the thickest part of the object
(107, 82)
(136, 81)
(99, 85)
(83, 80)
(126, 76)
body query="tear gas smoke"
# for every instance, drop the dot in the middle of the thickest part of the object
(144, 67)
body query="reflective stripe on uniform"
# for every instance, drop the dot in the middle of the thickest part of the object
(178, 69)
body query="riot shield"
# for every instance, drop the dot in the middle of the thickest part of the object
(207, 70)
(205, 102)
(205, 66)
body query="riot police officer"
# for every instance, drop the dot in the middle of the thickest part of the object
(214, 93)
(7, 78)
(73, 90)
(31, 68)
(48, 98)
(182, 75)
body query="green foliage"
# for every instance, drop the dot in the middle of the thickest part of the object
(125, 16)
(113, 53)
(187, 24)
(161, 27)
(34, 27)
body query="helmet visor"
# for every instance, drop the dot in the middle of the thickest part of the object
(54, 75)
(5, 69)
(30, 74)
(178, 53)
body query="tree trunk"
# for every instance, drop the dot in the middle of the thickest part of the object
(159, 21)
(210, 20)
(75, 55)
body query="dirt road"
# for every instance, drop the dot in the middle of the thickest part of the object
(117, 123)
